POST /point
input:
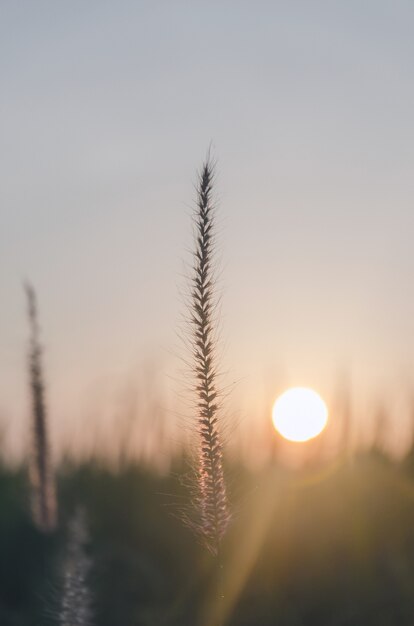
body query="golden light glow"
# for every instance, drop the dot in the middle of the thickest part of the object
(299, 414)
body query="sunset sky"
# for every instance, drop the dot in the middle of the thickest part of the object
(107, 111)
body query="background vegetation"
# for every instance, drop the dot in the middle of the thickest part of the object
(327, 545)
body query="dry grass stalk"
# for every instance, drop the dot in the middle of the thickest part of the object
(210, 490)
(42, 484)
(76, 599)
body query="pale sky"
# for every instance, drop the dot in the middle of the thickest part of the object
(107, 110)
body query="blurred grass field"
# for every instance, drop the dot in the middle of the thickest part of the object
(331, 545)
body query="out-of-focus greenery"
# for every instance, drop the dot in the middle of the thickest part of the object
(329, 546)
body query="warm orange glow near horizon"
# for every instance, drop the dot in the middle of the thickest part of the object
(299, 414)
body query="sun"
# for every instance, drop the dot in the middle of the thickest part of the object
(299, 414)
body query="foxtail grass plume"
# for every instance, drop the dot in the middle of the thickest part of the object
(42, 482)
(210, 497)
(75, 609)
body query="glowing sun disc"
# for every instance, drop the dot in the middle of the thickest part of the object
(299, 414)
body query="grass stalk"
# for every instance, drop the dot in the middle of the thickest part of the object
(42, 483)
(210, 498)
(76, 600)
